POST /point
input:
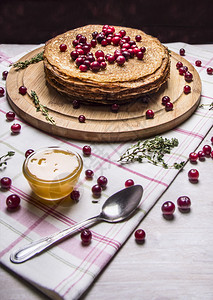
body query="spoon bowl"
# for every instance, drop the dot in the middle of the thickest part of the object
(116, 208)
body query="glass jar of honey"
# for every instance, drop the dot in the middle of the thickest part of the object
(53, 172)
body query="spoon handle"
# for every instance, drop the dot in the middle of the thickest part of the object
(30, 250)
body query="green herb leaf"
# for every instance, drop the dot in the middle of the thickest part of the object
(24, 64)
(153, 151)
(3, 158)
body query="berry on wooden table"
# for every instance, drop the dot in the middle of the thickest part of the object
(168, 106)
(81, 119)
(22, 90)
(63, 47)
(182, 52)
(168, 208)
(4, 75)
(150, 114)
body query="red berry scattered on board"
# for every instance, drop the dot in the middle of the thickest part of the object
(209, 71)
(28, 152)
(140, 235)
(179, 64)
(138, 38)
(129, 182)
(187, 89)
(96, 190)
(168, 106)
(183, 202)
(182, 52)
(16, 128)
(81, 119)
(10, 115)
(102, 181)
(87, 150)
(188, 76)
(115, 107)
(6, 182)
(198, 63)
(168, 208)
(1, 92)
(165, 99)
(207, 150)
(75, 195)
(63, 47)
(193, 175)
(150, 114)
(193, 157)
(86, 236)
(22, 90)
(89, 174)
(13, 201)
(4, 75)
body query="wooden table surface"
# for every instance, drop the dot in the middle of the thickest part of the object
(175, 262)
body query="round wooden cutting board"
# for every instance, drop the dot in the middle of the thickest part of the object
(102, 125)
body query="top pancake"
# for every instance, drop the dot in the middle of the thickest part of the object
(133, 70)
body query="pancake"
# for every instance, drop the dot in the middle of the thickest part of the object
(114, 84)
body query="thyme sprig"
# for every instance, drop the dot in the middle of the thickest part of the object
(24, 64)
(5, 157)
(41, 107)
(152, 151)
(210, 105)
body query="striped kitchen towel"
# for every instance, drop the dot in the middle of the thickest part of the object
(67, 270)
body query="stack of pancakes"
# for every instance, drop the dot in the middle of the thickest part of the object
(115, 84)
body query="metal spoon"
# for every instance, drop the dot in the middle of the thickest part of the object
(116, 208)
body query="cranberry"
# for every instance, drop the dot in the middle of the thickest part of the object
(115, 107)
(28, 152)
(188, 76)
(22, 90)
(75, 43)
(79, 61)
(179, 64)
(63, 47)
(78, 36)
(193, 157)
(94, 34)
(74, 54)
(182, 52)
(4, 75)
(126, 45)
(96, 190)
(131, 52)
(81, 119)
(168, 208)
(117, 53)
(129, 182)
(149, 114)
(100, 37)
(75, 195)
(207, 150)
(82, 39)
(139, 55)
(76, 104)
(1, 91)
(165, 99)
(100, 59)
(104, 43)
(136, 50)
(168, 106)
(80, 51)
(140, 235)
(87, 63)
(93, 43)
(87, 150)
(109, 40)
(182, 70)
(109, 31)
(187, 89)
(6, 182)
(198, 63)
(103, 65)
(116, 40)
(126, 54)
(138, 38)
(133, 43)
(122, 32)
(86, 49)
(143, 49)
(193, 175)
(183, 202)
(211, 154)
(83, 68)
(111, 59)
(209, 71)
(201, 155)
(89, 174)
(102, 181)
(15, 128)
(126, 38)
(86, 236)
(10, 115)
(13, 201)
(212, 139)
(95, 66)
(120, 60)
